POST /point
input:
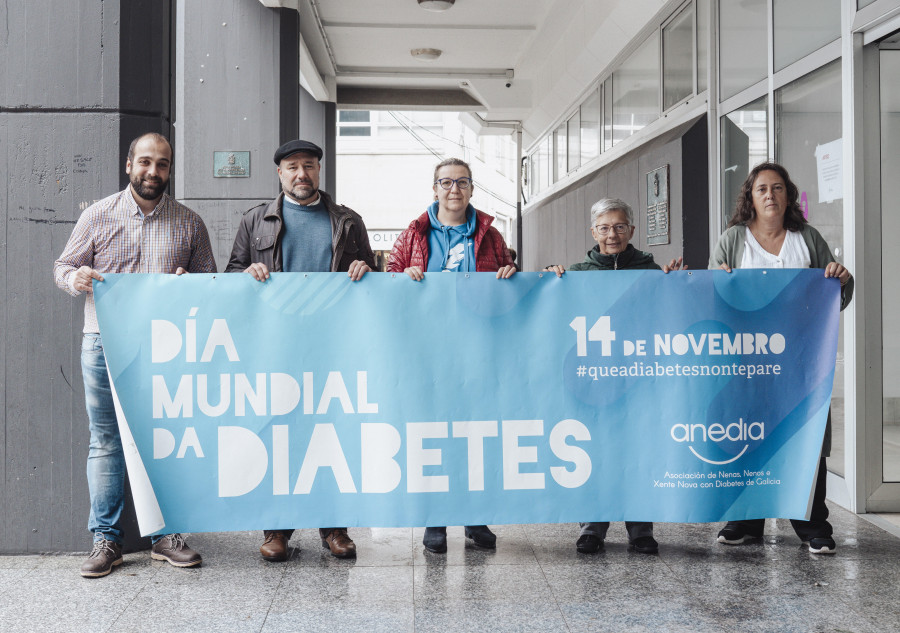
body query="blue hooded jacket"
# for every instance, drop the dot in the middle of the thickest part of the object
(451, 248)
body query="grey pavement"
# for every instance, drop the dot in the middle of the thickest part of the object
(534, 581)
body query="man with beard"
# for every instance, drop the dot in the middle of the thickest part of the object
(302, 230)
(138, 230)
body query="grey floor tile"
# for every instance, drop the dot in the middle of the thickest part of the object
(533, 581)
(54, 597)
(563, 531)
(793, 611)
(318, 616)
(615, 610)
(354, 585)
(20, 562)
(644, 575)
(448, 616)
(198, 599)
(495, 583)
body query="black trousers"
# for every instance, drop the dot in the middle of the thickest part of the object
(817, 526)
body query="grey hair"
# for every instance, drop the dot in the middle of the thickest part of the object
(605, 205)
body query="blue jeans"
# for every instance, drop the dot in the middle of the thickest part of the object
(106, 461)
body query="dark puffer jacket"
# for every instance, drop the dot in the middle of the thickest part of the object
(629, 259)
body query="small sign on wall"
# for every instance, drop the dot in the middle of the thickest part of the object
(231, 164)
(658, 206)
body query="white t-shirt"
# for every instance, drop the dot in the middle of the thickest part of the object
(794, 253)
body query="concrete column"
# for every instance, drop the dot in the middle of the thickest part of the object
(78, 80)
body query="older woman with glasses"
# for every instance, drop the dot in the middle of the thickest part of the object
(612, 226)
(452, 236)
(768, 230)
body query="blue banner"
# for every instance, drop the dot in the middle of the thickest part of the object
(311, 400)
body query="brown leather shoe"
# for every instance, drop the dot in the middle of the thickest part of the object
(103, 557)
(338, 541)
(274, 548)
(174, 549)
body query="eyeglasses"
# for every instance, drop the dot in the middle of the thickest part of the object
(603, 229)
(447, 183)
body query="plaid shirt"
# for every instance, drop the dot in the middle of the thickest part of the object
(114, 236)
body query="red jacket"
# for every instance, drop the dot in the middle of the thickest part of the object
(411, 248)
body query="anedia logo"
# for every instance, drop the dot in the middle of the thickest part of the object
(738, 431)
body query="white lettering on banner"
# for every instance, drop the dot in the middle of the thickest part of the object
(284, 391)
(334, 388)
(380, 471)
(203, 396)
(718, 344)
(190, 440)
(417, 457)
(475, 432)
(281, 460)
(243, 461)
(163, 443)
(324, 451)
(574, 454)
(244, 458)
(514, 455)
(712, 343)
(738, 431)
(166, 341)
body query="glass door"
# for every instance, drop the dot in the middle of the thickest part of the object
(889, 81)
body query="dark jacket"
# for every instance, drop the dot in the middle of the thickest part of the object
(259, 237)
(411, 248)
(629, 259)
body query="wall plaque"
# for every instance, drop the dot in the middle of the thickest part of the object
(658, 206)
(231, 164)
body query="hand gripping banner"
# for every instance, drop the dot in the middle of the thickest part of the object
(311, 400)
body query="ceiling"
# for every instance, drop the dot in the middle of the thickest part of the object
(503, 60)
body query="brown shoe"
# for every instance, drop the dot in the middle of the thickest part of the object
(274, 548)
(103, 557)
(338, 541)
(175, 550)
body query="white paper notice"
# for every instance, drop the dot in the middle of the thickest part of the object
(830, 166)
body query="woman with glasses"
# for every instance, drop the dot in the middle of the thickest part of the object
(452, 236)
(768, 230)
(612, 226)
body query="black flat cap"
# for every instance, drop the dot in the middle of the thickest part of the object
(292, 147)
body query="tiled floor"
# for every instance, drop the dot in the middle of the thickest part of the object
(535, 581)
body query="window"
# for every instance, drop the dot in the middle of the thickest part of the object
(702, 43)
(590, 126)
(607, 113)
(678, 58)
(744, 144)
(807, 125)
(636, 90)
(354, 123)
(559, 139)
(743, 45)
(573, 129)
(803, 26)
(808, 143)
(546, 165)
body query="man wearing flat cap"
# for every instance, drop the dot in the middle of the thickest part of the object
(302, 230)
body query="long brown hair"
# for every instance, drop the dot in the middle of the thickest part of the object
(745, 213)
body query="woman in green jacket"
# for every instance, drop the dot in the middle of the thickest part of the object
(768, 230)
